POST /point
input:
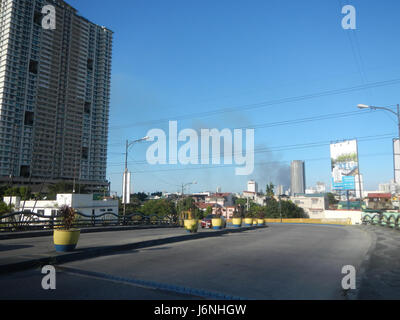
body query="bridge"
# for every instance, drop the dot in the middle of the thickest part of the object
(280, 261)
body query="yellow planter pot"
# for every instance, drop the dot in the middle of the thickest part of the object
(216, 223)
(237, 222)
(191, 225)
(260, 222)
(65, 240)
(248, 222)
(255, 222)
(265, 221)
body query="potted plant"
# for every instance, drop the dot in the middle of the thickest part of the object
(248, 220)
(237, 218)
(190, 223)
(217, 221)
(260, 217)
(64, 236)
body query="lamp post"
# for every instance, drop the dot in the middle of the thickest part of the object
(125, 187)
(397, 114)
(183, 186)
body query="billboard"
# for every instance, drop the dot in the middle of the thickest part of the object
(344, 165)
(396, 160)
(126, 187)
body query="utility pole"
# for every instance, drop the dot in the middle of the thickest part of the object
(280, 210)
(397, 114)
(126, 192)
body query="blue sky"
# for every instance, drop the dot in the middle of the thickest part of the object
(181, 57)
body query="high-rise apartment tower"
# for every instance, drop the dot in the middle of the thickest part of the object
(54, 95)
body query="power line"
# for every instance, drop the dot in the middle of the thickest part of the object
(265, 104)
(294, 121)
(278, 148)
(256, 164)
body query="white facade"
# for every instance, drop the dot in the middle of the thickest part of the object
(313, 205)
(82, 203)
(252, 186)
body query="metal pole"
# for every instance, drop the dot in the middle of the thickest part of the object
(280, 210)
(125, 176)
(398, 125)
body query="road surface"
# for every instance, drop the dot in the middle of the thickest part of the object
(279, 262)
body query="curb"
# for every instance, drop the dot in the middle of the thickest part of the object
(46, 233)
(155, 285)
(97, 252)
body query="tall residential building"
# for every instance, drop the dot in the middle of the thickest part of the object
(54, 95)
(297, 177)
(252, 186)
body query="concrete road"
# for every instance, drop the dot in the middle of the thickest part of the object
(279, 262)
(16, 250)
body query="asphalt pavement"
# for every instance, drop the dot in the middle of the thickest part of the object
(278, 262)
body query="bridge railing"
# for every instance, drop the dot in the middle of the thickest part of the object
(389, 219)
(28, 220)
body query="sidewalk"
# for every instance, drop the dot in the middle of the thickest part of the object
(24, 253)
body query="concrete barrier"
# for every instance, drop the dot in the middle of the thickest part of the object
(312, 221)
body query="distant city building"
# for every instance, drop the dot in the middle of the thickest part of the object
(54, 96)
(219, 189)
(313, 204)
(321, 187)
(222, 199)
(82, 203)
(279, 190)
(297, 177)
(252, 186)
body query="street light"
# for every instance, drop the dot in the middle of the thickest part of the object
(397, 114)
(125, 187)
(183, 185)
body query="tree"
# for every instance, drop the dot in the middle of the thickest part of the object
(23, 192)
(208, 210)
(5, 208)
(287, 209)
(188, 204)
(269, 190)
(161, 207)
(64, 187)
(331, 199)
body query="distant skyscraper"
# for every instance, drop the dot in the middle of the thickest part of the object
(279, 190)
(297, 177)
(252, 186)
(54, 95)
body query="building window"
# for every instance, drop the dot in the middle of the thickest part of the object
(33, 66)
(90, 64)
(24, 172)
(85, 153)
(37, 18)
(87, 107)
(28, 121)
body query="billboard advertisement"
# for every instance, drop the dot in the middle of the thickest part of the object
(126, 188)
(344, 165)
(396, 160)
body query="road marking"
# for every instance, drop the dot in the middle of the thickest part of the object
(152, 285)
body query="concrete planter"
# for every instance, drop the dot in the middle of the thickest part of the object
(66, 240)
(191, 225)
(237, 222)
(248, 222)
(216, 223)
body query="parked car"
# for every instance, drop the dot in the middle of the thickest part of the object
(207, 221)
